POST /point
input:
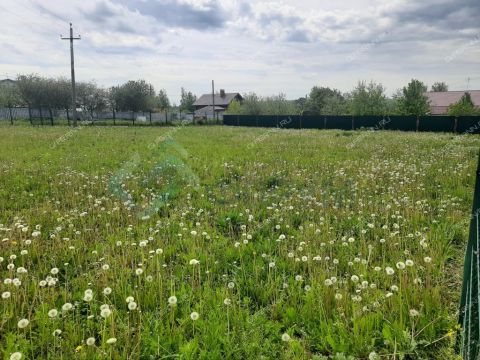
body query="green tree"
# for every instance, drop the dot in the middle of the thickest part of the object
(318, 99)
(133, 96)
(162, 100)
(367, 99)
(413, 100)
(9, 95)
(187, 100)
(439, 87)
(234, 108)
(463, 107)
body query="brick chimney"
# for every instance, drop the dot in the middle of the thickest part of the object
(222, 93)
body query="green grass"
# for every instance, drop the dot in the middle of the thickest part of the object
(287, 226)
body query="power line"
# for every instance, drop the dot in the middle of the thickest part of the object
(72, 65)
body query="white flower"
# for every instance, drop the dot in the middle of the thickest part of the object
(139, 271)
(373, 356)
(227, 301)
(132, 305)
(6, 295)
(54, 271)
(414, 313)
(52, 313)
(16, 356)
(111, 341)
(88, 297)
(286, 337)
(400, 265)
(409, 262)
(57, 332)
(427, 259)
(354, 278)
(105, 313)
(338, 296)
(194, 262)
(67, 307)
(107, 291)
(231, 285)
(271, 265)
(23, 323)
(328, 282)
(129, 299)
(172, 300)
(389, 270)
(194, 316)
(105, 266)
(90, 341)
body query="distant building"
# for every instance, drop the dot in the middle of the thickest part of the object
(204, 104)
(7, 82)
(440, 101)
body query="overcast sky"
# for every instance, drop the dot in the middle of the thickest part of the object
(263, 46)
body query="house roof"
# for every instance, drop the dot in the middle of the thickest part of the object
(440, 101)
(207, 110)
(206, 99)
(7, 81)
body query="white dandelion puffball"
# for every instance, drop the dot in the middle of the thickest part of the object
(107, 291)
(227, 301)
(90, 341)
(400, 265)
(132, 305)
(6, 295)
(389, 271)
(286, 337)
(105, 312)
(139, 271)
(194, 262)
(194, 316)
(23, 323)
(52, 313)
(427, 259)
(88, 297)
(338, 296)
(414, 313)
(172, 300)
(67, 307)
(271, 265)
(54, 271)
(16, 356)
(354, 278)
(129, 299)
(231, 285)
(409, 263)
(57, 332)
(111, 341)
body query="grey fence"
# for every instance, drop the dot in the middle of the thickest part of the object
(46, 116)
(461, 124)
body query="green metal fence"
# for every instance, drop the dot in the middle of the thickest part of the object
(468, 341)
(462, 124)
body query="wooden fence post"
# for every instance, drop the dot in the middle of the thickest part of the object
(30, 115)
(114, 123)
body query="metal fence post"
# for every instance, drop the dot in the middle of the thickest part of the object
(469, 338)
(11, 115)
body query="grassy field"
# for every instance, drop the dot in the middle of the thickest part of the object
(231, 243)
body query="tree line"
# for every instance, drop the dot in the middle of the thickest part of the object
(365, 99)
(37, 91)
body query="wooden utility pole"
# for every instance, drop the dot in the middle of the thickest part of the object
(72, 65)
(213, 100)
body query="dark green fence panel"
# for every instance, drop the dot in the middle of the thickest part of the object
(468, 125)
(469, 319)
(339, 122)
(436, 123)
(268, 120)
(399, 122)
(247, 120)
(313, 122)
(368, 122)
(230, 120)
(290, 122)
